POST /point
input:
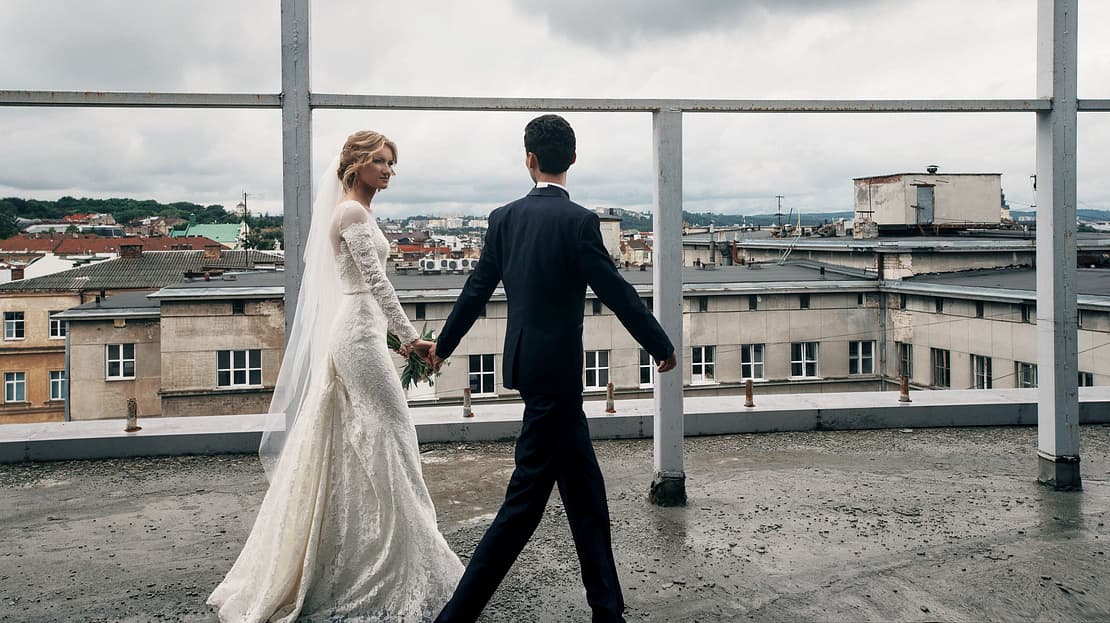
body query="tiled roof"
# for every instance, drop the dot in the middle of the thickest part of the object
(62, 244)
(153, 269)
(32, 242)
(86, 245)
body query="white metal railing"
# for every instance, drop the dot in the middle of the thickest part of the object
(1055, 107)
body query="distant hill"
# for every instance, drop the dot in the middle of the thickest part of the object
(1083, 214)
(642, 220)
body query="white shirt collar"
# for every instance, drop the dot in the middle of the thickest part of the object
(546, 184)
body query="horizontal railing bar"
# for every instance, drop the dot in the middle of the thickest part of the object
(1095, 105)
(118, 99)
(415, 102)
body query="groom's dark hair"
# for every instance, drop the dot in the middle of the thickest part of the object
(551, 138)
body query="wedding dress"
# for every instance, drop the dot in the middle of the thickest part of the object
(347, 530)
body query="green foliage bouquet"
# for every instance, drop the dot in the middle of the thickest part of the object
(416, 369)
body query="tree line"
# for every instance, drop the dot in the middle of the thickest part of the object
(125, 211)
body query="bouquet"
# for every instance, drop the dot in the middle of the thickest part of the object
(416, 369)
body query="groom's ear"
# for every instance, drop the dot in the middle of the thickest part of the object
(574, 157)
(529, 160)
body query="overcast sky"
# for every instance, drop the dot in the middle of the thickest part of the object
(469, 163)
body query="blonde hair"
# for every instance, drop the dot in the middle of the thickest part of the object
(357, 152)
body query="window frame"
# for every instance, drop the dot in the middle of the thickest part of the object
(801, 359)
(250, 357)
(1024, 372)
(11, 385)
(749, 363)
(982, 376)
(941, 359)
(482, 375)
(57, 327)
(703, 364)
(60, 384)
(649, 366)
(15, 328)
(593, 363)
(905, 359)
(1086, 379)
(122, 360)
(857, 358)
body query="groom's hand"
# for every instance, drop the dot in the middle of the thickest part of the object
(433, 359)
(668, 364)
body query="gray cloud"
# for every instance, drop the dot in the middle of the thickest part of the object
(614, 24)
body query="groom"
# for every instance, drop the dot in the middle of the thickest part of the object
(546, 249)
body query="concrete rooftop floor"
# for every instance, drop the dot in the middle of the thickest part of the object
(887, 525)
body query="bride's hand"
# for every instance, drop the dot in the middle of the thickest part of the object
(422, 349)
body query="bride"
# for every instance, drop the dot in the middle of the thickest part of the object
(347, 530)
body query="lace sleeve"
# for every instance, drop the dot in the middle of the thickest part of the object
(362, 250)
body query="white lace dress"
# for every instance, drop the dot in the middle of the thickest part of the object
(347, 530)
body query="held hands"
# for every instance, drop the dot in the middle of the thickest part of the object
(667, 364)
(433, 360)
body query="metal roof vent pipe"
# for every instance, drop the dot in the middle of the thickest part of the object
(932, 169)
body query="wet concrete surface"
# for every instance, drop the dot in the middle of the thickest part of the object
(921, 525)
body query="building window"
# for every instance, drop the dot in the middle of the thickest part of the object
(647, 369)
(803, 359)
(902, 299)
(239, 368)
(981, 372)
(978, 309)
(1086, 379)
(939, 304)
(649, 302)
(57, 327)
(121, 361)
(859, 299)
(702, 359)
(1027, 314)
(753, 302)
(861, 357)
(703, 303)
(942, 367)
(751, 361)
(421, 311)
(238, 307)
(597, 369)
(596, 304)
(13, 325)
(481, 374)
(482, 312)
(1026, 374)
(58, 385)
(15, 386)
(803, 301)
(905, 359)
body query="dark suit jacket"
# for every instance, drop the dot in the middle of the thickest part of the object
(547, 249)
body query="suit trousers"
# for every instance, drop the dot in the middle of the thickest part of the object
(553, 448)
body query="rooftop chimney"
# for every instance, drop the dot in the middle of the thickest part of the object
(212, 251)
(130, 250)
(932, 169)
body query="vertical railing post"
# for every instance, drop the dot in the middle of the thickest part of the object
(668, 488)
(296, 145)
(1057, 322)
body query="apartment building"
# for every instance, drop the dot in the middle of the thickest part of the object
(32, 353)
